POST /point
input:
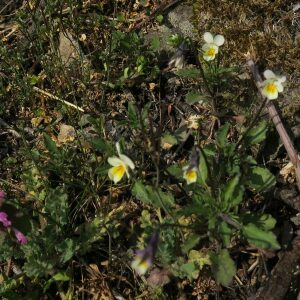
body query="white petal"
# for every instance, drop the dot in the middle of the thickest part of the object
(185, 168)
(282, 78)
(127, 161)
(208, 37)
(269, 74)
(219, 40)
(118, 148)
(279, 86)
(205, 46)
(114, 161)
(140, 266)
(179, 62)
(272, 96)
(208, 57)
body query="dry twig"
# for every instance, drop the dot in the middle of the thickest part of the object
(57, 98)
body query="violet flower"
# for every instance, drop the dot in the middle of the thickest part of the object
(4, 219)
(20, 236)
(144, 258)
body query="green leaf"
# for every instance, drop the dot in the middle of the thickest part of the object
(155, 43)
(121, 18)
(168, 245)
(151, 195)
(102, 169)
(61, 276)
(145, 112)
(261, 179)
(265, 221)
(34, 80)
(126, 73)
(256, 134)
(260, 238)
(203, 169)
(159, 18)
(57, 206)
(199, 258)
(67, 249)
(191, 72)
(210, 150)
(191, 270)
(194, 96)
(233, 191)
(50, 145)
(223, 267)
(102, 146)
(133, 115)
(168, 140)
(175, 170)
(190, 243)
(222, 135)
(225, 232)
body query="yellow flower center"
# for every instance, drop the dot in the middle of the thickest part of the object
(144, 265)
(271, 88)
(190, 176)
(141, 265)
(118, 171)
(211, 52)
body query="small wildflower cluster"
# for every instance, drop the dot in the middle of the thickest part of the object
(120, 166)
(21, 238)
(211, 46)
(190, 172)
(144, 258)
(272, 85)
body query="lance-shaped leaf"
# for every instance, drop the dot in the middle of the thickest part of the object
(223, 267)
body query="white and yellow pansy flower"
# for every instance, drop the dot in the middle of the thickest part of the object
(143, 259)
(141, 262)
(190, 174)
(272, 85)
(211, 46)
(120, 166)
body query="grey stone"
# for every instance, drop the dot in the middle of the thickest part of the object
(68, 48)
(179, 18)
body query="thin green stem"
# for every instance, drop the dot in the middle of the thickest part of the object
(253, 122)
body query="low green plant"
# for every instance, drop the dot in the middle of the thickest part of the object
(86, 202)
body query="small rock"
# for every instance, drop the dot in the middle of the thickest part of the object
(179, 17)
(68, 48)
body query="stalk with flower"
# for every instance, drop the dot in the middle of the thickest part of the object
(211, 46)
(272, 85)
(190, 172)
(144, 258)
(21, 238)
(120, 166)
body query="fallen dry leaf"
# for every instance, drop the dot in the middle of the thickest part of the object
(66, 134)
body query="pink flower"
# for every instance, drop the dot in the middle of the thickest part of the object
(20, 237)
(4, 219)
